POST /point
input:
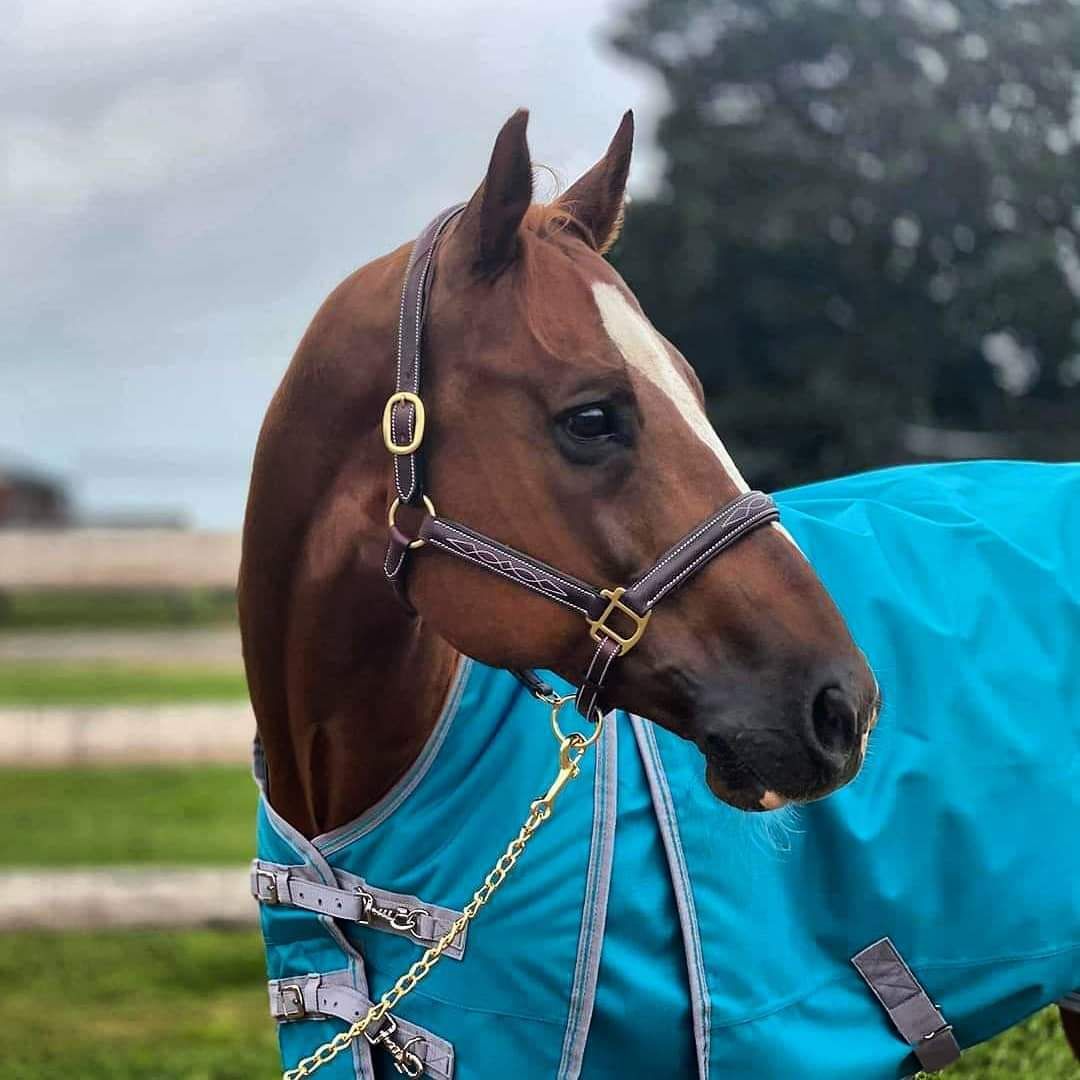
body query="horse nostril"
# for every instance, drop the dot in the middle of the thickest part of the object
(835, 721)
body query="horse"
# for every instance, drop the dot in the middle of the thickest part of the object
(556, 418)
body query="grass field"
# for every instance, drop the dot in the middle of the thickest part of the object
(112, 816)
(77, 609)
(152, 1006)
(35, 682)
(1034, 1051)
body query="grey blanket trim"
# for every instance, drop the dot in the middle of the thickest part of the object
(594, 908)
(668, 824)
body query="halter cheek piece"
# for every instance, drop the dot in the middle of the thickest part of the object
(617, 618)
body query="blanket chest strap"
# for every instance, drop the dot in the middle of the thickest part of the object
(910, 1009)
(355, 900)
(414, 1050)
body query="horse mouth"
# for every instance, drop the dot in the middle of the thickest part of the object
(735, 784)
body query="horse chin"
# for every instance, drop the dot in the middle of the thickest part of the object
(752, 797)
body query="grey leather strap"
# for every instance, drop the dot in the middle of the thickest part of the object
(909, 1007)
(302, 997)
(354, 900)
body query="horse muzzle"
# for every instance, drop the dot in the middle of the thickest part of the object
(764, 763)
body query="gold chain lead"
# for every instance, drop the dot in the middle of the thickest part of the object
(571, 750)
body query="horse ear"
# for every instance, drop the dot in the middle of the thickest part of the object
(493, 215)
(596, 200)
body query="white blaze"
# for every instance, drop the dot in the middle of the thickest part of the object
(644, 350)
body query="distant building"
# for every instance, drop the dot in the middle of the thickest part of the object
(30, 497)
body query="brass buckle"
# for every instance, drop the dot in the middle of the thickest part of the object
(293, 1010)
(429, 506)
(403, 397)
(598, 627)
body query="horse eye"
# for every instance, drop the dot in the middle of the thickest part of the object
(589, 424)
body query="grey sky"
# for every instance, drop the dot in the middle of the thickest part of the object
(181, 183)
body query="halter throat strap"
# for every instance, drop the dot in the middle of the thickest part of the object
(617, 617)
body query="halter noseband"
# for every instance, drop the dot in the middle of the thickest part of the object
(404, 422)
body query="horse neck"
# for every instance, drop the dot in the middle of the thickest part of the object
(346, 686)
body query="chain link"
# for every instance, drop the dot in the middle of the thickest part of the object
(571, 750)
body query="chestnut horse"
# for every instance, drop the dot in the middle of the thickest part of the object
(564, 424)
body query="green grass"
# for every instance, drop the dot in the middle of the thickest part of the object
(114, 609)
(113, 816)
(34, 682)
(1035, 1050)
(135, 1006)
(192, 1006)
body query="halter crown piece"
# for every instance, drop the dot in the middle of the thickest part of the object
(616, 618)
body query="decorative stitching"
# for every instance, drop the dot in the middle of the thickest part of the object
(742, 503)
(722, 542)
(502, 563)
(592, 662)
(515, 580)
(439, 225)
(589, 692)
(603, 674)
(397, 569)
(397, 377)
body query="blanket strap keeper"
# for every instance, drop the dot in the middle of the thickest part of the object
(354, 900)
(909, 1007)
(414, 1050)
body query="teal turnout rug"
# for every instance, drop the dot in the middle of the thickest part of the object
(649, 930)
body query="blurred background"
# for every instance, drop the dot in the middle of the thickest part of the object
(859, 219)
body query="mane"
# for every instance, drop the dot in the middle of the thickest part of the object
(546, 221)
(550, 219)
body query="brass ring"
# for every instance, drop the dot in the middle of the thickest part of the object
(391, 518)
(586, 740)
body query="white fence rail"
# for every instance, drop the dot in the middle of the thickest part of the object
(118, 558)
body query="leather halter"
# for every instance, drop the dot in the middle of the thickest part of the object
(404, 422)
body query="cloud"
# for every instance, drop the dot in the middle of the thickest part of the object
(54, 166)
(182, 183)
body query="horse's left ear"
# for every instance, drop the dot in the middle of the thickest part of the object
(596, 200)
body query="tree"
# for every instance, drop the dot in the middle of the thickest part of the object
(866, 235)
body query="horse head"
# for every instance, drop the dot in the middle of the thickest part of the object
(559, 421)
(564, 424)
